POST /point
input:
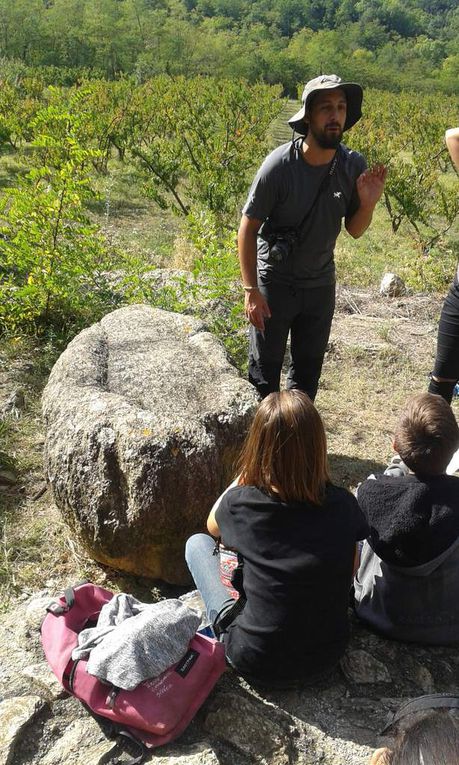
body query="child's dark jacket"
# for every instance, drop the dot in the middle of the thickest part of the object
(407, 586)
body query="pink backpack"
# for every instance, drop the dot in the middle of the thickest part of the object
(157, 710)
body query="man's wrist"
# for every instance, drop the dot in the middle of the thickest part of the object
(367, 207)
(248, 288)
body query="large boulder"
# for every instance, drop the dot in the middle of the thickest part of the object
(144, 418)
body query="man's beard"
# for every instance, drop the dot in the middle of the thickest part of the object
(325, 139)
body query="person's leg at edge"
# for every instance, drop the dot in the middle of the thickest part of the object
(267, 349)
(205, 570)
(446, 370)
(442, 387)
(309, 337)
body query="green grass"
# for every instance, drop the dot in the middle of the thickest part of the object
(363, 262)
(280, 131)
(11, 166)
(132, 222)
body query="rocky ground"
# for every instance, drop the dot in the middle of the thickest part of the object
(335, 723)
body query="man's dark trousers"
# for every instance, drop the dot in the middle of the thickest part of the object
(306, 312)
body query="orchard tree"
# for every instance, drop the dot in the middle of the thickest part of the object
(192, 139)
(406, 133)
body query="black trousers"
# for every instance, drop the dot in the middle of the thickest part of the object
(307, 314)
(447, 358)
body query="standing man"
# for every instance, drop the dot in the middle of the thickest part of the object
(288, 231)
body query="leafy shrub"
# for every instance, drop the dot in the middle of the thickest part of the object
(52, 256)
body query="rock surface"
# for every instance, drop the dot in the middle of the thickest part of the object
(333, 723)
(144, 418)
(361, 667)
(15, 714)
(392, 285)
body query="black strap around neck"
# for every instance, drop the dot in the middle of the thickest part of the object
(421, 704)
(324, 184)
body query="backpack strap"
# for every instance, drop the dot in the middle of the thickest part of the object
(113, 731)
(324, 184)
(69, 596)
(143, 751)
(57, 607)
(420, 704)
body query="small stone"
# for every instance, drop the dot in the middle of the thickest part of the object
(14, 403)
(15, 714)
(199, 754)
(362, 667)
(36, 610)
(392, 285)
(44, 681)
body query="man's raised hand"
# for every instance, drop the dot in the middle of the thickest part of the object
(370, 185)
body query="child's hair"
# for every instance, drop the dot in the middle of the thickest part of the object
(427, 738)
(286, 449)
(427, 434)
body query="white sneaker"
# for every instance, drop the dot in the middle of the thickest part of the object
(396, 467)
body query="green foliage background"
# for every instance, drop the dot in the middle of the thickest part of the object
(385, 43)
(180, 96)
(186, 140)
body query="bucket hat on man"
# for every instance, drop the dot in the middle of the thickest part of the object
(354, 96)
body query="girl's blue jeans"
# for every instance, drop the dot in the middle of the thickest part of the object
(205, 569)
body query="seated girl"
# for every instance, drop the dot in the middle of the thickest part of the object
(295, 534)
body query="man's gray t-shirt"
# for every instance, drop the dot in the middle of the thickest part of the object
(283, 191)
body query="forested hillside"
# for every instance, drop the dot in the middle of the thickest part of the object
(384, 43)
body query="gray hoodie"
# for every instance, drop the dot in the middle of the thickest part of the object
(418, 603)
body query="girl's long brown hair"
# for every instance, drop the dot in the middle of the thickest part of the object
(286, 449)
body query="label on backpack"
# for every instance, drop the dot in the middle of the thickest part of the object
(185, 664)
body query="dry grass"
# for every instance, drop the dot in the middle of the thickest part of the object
(379, 356)
(183, 254)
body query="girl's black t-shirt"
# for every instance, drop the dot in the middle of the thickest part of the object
(297, 572)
